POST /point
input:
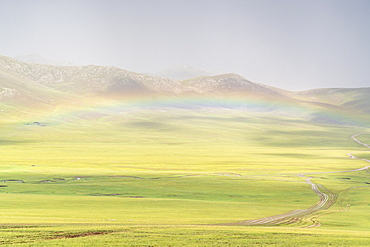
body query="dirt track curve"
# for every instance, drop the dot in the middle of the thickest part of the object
(326, 200)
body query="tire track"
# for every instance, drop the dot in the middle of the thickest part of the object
(326, 200)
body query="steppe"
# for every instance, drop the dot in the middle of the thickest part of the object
(94, 156)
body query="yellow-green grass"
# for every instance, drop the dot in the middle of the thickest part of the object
(152, 235)
(364, 137)
(159, 178)
(364, 155)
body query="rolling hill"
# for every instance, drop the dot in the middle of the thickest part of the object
(100, 156)
(356, 99)
(32, 85)
(96, 80)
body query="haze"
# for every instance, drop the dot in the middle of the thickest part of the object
(294, 45)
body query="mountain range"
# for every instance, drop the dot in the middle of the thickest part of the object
(182, 72)
(37, 58)
(32, 86)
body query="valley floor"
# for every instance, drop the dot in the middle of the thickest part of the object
(183, 178)
(75, 235)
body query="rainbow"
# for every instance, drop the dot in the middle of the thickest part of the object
(95, 109)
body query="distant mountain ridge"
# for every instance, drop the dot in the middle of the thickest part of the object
(42, 84)
(91, 79)
(36, 58)
(183, 72)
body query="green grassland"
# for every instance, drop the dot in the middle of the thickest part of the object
(173, 177)
(177, 236)
(364, 137)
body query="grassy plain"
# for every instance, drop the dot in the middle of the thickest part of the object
(170, 178)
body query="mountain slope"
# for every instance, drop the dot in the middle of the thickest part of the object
(99, 80)
(18, 90)
(356, 99)
(229, 84)
(41, 86)
(88, 80)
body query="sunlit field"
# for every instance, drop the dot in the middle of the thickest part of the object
(178, 177)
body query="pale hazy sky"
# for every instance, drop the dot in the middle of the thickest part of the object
(292, 44)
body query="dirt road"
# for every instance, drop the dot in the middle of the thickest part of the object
(326, 200)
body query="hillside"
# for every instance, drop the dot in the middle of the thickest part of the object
(229, 84)
(35, 86)
(94, 80)
(356, 99)
(85, 80)
(91, 80)
(19, 90)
